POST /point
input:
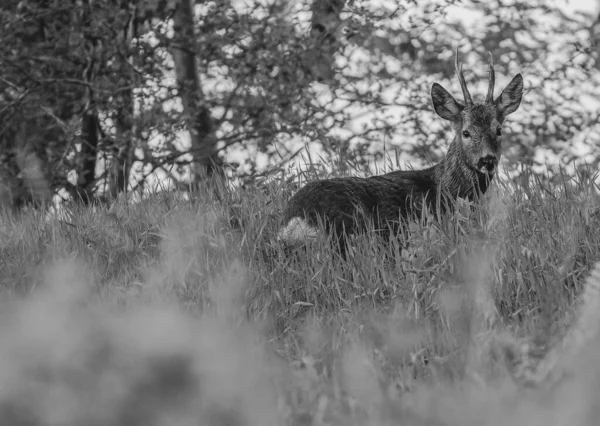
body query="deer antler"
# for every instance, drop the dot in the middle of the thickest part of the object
(461, 79)
(492, 79)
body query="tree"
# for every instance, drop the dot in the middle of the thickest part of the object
(111, 95)
(197, 115)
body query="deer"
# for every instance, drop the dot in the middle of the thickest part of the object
(388, 201)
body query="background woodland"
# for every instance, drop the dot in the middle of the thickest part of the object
(98, 97)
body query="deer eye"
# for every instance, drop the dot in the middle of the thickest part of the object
(466, 134)
(498, 131)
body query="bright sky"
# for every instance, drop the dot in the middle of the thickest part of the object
(583, 5)
(588, 6)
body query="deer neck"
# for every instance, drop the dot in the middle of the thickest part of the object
(455, 178)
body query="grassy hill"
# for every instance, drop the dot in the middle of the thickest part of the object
(187, 312)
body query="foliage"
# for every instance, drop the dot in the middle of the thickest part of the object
(90, 87)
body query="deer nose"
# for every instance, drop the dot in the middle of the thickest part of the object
(487, 163)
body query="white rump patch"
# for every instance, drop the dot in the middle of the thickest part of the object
(297, 230)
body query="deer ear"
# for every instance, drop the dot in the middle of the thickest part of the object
(444, 103)
(510, 98)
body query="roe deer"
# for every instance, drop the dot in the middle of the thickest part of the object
(390, 199)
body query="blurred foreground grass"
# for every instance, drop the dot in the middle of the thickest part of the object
(175, 312)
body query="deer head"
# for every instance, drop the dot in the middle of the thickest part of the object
(478, 126)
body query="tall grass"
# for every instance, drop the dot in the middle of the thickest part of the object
(190, 312)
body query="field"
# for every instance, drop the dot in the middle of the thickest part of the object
(189, 312)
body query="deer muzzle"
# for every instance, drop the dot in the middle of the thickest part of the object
(487, 164)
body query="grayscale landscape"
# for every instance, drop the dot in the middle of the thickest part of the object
(272, 212)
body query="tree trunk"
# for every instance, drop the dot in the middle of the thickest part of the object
(122, 158)
(86, 167)
(197, 115)
(325, 24)
(90, 126)
(122, 149)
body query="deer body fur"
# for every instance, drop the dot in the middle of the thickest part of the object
(390, 199)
